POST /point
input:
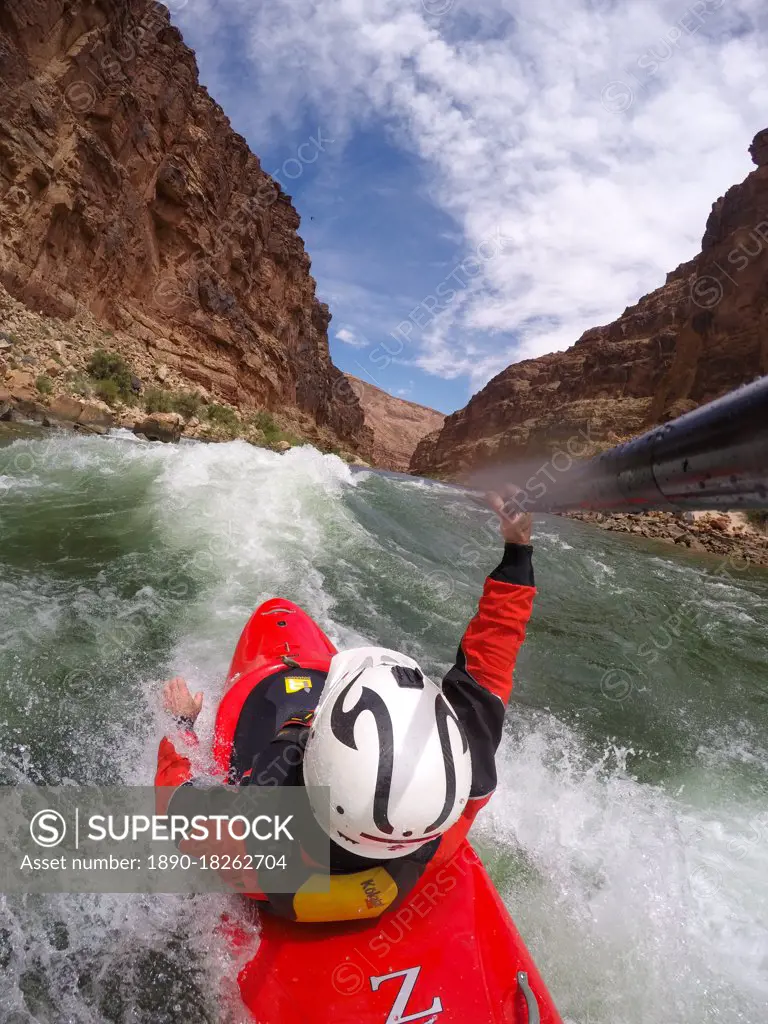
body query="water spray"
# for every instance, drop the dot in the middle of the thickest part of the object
(715, 457)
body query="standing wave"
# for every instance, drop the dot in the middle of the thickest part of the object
(628, 835)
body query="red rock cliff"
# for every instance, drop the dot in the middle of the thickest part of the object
(701, 334)
(397, 425)
(124, 189)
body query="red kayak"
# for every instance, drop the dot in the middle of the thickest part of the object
(449, 955)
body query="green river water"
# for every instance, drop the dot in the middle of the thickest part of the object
(629, 835)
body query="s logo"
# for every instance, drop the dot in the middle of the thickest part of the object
(343, 728)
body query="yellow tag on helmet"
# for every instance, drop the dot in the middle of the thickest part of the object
(295, 684)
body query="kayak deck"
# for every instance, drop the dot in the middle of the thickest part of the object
(450, 954)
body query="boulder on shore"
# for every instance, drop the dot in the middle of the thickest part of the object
(161, 426)
(20, 382)
(17, 404)
(76, 412)
(6, 404)
(28, 408)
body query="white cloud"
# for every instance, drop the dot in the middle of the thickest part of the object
(350, 338)
(594, 134)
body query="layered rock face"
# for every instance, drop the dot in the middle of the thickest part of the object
(125, 191)
(397, 425)
(703, 333)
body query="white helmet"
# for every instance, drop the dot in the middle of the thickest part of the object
(392, 752)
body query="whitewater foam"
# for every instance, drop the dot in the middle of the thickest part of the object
(626, 838)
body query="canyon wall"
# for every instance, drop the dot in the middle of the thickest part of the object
(703, 333)
(125, 192)
(397, 425)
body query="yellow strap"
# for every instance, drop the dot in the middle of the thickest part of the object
(349, 897)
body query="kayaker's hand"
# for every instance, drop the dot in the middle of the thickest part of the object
(179, 702)
(516, 526)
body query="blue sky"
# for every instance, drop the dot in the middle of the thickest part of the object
(480, 183)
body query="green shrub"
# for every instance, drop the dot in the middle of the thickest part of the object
(109, 366)
(104, 365)
(156, 400)
(223, 416)
(44, 385)
(188, 404)
(108, 391)
(80, 384)
(758, 517)
(268, 425)
(263, 420)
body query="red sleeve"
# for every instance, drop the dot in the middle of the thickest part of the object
(480, 683)
(173, 770)
(456, 835)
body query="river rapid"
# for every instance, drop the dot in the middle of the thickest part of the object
(629, 835)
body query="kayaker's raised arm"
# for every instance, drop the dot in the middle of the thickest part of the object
(480, 683)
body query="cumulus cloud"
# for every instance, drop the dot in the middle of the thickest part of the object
(350, 338)
(592, 134)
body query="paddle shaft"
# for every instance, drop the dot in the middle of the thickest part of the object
(715, 457)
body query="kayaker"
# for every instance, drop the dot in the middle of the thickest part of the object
(408, 764)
